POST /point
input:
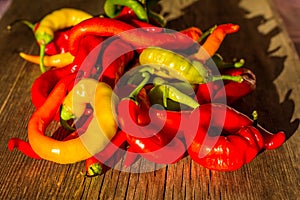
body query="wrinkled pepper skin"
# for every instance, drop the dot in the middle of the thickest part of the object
(238, 143)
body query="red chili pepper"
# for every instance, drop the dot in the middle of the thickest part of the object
(234, 91)
(93, 167)
(148, 141)
(59, 44)
(130, 157)
(44, 84)
(228, 152)
(22, 146)
(106, 27)
(100, 162)
(117, 143)
(85, 60)
(205, 92)
(231, 91)
(126, 14)
(193, 32)
(113, 67)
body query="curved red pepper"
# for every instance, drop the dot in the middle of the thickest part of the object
(44, 84)
(113, 67)
(139, 38)
(148, 141)
(59, 44)
(239, 145)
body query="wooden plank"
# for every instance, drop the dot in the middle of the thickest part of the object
(262, 42)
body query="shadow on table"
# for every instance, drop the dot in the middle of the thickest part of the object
(253, 46)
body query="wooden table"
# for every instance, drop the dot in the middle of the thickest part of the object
(262, 41)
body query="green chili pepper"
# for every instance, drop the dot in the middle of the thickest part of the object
(192, 71)
(170, 97)
(110, 8)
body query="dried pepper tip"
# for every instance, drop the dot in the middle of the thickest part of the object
(27, 23)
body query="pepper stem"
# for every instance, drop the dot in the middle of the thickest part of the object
(238, 79)
(255, 118)
(42, 55)
(136, 91)
(27, 23)
(207, 33)
(94, 170)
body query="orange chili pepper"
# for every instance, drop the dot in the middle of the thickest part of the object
(57, 60)
(214, 40)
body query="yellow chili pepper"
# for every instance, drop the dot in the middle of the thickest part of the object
(58, 60)
(58, 19)
(98, 134)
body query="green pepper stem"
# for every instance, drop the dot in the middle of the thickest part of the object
(159, 18)
(27, 23)
(238, 79)
(42, 55)
(94, 169)
(207, 33)
(239, 63)
(65, 115)
(135, 92)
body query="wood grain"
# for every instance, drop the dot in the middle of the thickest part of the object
(262, 42)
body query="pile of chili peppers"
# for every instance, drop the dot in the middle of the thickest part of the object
(172, 105)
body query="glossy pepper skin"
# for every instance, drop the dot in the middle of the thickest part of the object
(56, 60)
(57, 20)
(149, 141)
(228, 91)
(44, 84)
(214, 41)
(110, 8)
(139, 38)
(239, 145)
(112, 67)
(73, 150)
(175, 64)
(59, 44)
